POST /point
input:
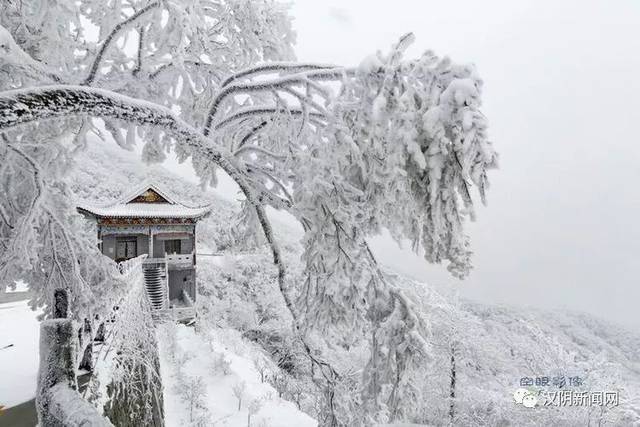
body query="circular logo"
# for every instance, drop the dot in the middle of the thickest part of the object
(526, 398)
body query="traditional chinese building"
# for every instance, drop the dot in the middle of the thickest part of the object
(149, 221)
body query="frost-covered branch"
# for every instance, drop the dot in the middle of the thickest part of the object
(397, 144)
(283, 83)
(271, 67)
(256, 149)
(210, 68)
(48, 102)
(11, 251)
(273, 180)
(139, 53)
(263, 112)
(113, 35)
(12, 54)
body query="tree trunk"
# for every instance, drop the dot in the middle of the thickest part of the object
(452, 386)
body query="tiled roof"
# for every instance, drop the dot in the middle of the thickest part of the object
(124, 208)
(146, 210)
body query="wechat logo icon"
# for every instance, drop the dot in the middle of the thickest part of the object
(526, 398)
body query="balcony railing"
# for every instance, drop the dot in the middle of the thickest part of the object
(154, 262)
(179, 260)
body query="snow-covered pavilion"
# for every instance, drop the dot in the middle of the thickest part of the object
(150, 221)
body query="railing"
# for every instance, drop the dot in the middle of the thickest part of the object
(177, 260)
(181, 260)
(154, 262)
(132, 266)
(57, 400)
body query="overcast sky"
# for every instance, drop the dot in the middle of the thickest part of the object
(562, 94)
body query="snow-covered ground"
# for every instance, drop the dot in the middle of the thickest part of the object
(498, 345)
(186, 354)
(19, 332)
(20, 286)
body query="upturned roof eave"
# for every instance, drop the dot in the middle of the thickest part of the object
(201, 212)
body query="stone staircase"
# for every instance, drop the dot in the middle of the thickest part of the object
(155, 282)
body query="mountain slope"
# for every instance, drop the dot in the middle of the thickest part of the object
(491, 348)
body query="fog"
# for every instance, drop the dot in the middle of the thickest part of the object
(562, 95)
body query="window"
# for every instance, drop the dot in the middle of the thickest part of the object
(172, 246)
(126, 249)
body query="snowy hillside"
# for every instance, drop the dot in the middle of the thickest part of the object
(490, 348)
(211, 377)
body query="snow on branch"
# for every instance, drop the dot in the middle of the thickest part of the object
(12, 54)
(263, 111)
(93, 70)
(271, 67)
(399, 145)
(282, 83)
(47, 102)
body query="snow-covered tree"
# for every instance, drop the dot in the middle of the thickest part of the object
(254, 407)
(393, 143)
(193, 392)
(239, 390)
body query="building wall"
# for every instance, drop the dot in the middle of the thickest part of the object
(109, 244)
(179, 280)
(143, 244)
(186, 246)
(158, 248)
